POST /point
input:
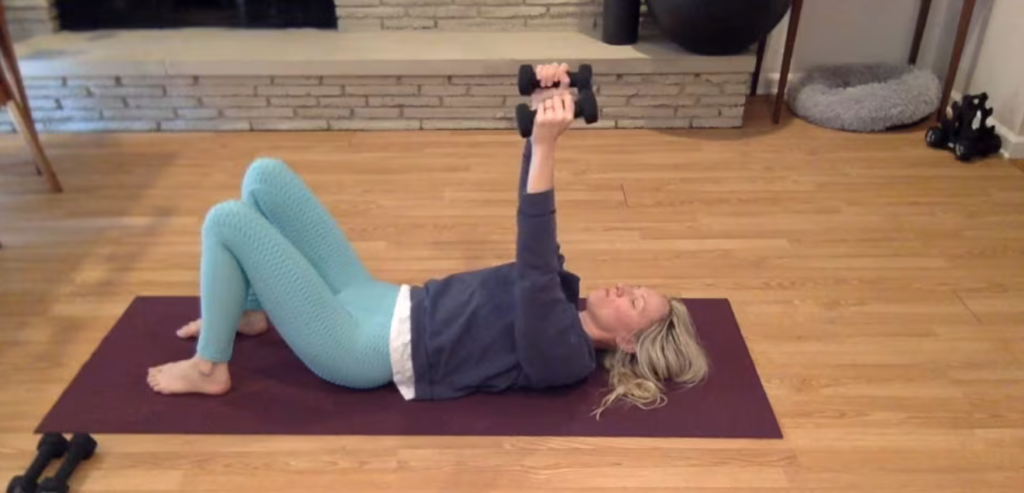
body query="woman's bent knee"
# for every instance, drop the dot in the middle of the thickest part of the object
(265, 171)
(231, 215)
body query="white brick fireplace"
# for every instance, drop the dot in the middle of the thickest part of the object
(392, 64)
(27, 18)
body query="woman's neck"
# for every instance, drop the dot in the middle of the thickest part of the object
(598, 338)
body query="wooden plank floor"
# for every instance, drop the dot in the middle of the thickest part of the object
(880, 286)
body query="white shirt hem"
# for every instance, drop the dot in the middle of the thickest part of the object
(400, 342)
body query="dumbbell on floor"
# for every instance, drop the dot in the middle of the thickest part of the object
(81, 449)
(581, 79)
(586, 107)
(51, 446)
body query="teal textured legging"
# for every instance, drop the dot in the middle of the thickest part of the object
(279, 250)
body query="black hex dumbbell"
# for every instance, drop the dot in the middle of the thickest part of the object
(581, 79)
(52, 446)
(586, 107)
(81, 449)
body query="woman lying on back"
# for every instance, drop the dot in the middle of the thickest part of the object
(278, 253)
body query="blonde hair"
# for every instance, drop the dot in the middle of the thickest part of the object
(668, 350)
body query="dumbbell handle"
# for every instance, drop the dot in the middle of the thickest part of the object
(586, 107)
(578, 112)
(82, 448)
(47, 452)
(38, 466)
(67, 468)
(526, 122)
(528, 79)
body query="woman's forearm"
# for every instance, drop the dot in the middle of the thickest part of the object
(524, 165)
(542, 168)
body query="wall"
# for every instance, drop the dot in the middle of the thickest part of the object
(997, 63)
(991, 61)
(841, 31)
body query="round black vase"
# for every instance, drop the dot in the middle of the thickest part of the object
(717, 27)
(621, 22)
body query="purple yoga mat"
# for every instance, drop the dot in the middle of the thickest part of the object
(273, 393)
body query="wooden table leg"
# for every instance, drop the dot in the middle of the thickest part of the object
(958, 50)
(922, 21)
(18, 105)
(787, 58)
(757, 65)
(31, 137)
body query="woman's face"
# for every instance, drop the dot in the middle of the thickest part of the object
(622, 311)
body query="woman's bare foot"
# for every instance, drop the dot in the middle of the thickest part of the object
(190, 376)
(253, 323)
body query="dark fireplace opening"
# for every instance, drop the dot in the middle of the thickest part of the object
(85, 15)
(205, 13)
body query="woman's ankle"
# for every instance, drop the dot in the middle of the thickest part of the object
(205, 366)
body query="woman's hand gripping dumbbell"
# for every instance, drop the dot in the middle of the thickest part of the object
(529, 79)
(553, 81)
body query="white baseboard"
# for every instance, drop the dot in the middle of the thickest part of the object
(1013, 144)
(769, 83)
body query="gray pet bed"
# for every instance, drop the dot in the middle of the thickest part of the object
(865, 97)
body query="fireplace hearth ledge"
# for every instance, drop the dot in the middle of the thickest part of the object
(226, 52)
